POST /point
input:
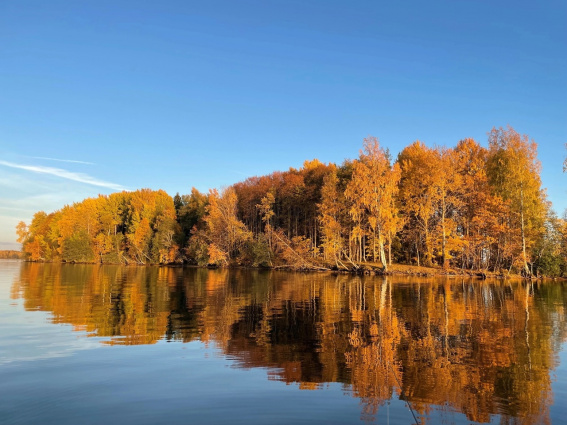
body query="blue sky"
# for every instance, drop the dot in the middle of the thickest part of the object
(110, 95)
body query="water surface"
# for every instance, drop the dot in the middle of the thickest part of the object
(143, 345)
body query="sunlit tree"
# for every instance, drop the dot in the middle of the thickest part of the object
(373, 190)
(419, 197)
(514, 174)
(225, 234)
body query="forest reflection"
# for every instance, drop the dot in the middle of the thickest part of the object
(477, 347)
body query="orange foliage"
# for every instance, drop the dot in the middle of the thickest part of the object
(465, 207)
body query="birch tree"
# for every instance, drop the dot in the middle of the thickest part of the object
(514, 174)
(372, 190)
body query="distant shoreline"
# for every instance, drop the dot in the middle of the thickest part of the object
(11, 254)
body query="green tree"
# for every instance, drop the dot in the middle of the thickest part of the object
(78, 248)
(548, 258)
(190, 213)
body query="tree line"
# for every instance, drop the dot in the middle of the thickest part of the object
(9, 254)
(468, 207)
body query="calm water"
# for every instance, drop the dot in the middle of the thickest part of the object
(145, 345)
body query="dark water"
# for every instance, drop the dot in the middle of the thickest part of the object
(143, 345)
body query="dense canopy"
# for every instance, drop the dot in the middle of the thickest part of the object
(465, 207)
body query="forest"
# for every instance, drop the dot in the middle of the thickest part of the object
(467, 207)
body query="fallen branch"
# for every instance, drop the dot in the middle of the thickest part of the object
(302, 260)
(356, 267)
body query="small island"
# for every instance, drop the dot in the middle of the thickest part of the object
(465, 209)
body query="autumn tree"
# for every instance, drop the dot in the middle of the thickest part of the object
(23, 232)
(373, 190)
(135, 226)
(479, 211)
(150, 225)
(109, 242)
(419, 197)
(37, 239)
(250, 193)
(314, 173)
(297, 192)
(224, 234)
(331, 228)
(548, 258)
(266, 208)
(514, 173)
(563, 244)
(448, 183)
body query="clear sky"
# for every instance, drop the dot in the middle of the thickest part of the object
(109, 95)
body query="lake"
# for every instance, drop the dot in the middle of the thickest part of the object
(95, 344)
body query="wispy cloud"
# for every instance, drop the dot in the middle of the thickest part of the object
(63, 160)
(69, 175)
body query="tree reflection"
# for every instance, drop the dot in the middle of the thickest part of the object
(480, 348)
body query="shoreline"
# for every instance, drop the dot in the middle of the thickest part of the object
(365, 269)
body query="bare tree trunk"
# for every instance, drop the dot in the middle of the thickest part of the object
(389, 248)
(525, 258)
(428, 253)
(374, 245)
(444, 241)
(382, 253)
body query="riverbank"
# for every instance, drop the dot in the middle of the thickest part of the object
(368, 268)
(435, 271)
